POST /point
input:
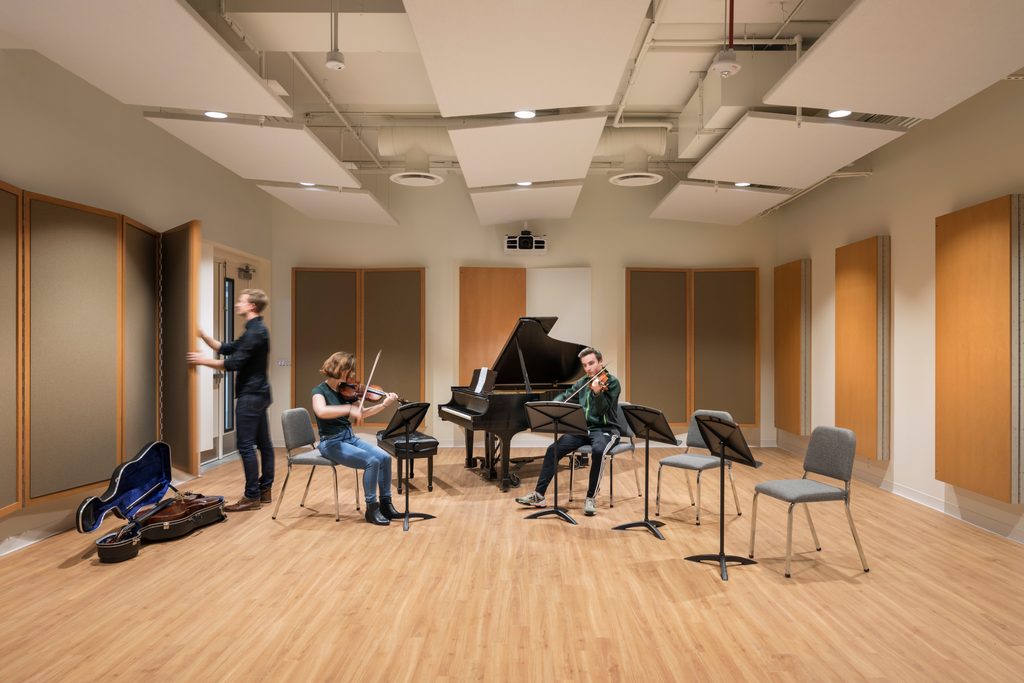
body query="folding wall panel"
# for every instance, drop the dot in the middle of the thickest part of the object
(73, 423)
(179, 264)
(10, 335)
(726, 368)
(325, 318)
(977, 348)
(141, 394)
(490, 302)
(793, 346)
(863, 344)
(393, 305)
(656, 340)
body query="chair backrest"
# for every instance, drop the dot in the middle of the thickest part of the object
(298, 430)
(830, 452)
(693, 437)
(620, 417)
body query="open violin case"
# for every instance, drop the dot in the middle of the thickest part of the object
(135, 494)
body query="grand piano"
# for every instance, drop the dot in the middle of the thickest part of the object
(531, 366)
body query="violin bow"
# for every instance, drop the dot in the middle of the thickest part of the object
(586, 384)
(366, 386)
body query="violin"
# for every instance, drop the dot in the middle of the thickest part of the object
(602, 380)
(350, 392)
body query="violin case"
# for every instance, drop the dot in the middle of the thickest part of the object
(135, 494)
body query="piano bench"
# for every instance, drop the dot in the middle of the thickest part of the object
(420, 446)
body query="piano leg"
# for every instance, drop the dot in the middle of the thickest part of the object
(508, 479)
(470, 460)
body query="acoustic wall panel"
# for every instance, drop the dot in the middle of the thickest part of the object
(977, 348)
(863, 344)
(10, 386)
(141, 399)
(325, 319)
(565, 294)
(393, 306)
(656, 334)
(73, 346)
(793, 347)
(725, 343)
(490, 302)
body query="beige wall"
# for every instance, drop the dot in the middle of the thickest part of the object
(970, 154)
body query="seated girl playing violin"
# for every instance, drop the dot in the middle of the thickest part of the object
(335, 404)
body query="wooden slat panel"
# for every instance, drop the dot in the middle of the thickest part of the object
(10, 457)
(857, 350)
(392, 322)
(725, 343)
(490, 302)
(656, 304)
(140, 331)
(790, 384)
(972, 349)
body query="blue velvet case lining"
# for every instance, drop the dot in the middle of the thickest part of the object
(141, 481)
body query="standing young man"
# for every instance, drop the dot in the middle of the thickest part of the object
(600, 401)
(248, 356)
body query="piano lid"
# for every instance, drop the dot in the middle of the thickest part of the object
(548, 360)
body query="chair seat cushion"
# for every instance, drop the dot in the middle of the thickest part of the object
(310, 456)
(420, 445)
(800, 490)
(619, 448)
(691, 461)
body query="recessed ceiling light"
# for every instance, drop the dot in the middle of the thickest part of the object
(307, 184)
(742, 184)
(525, 114)
(524, 183)
(838, 113)
(215, 114)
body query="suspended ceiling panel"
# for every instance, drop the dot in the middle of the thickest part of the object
(311, 31)
(770, 149)
(149, 53)
(282, 153)
(351, 206)
(525, 203)
(490, 57)
(724, 205)
(750, 11)
(913, 58)
(536, 151)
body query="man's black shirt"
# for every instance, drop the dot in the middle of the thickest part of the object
(248, 356)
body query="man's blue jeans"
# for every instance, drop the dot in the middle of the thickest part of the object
(252, 429)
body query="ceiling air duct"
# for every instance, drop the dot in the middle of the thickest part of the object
(635, 146)
(417, 145)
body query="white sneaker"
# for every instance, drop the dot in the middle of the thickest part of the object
(589, 507)
(534, 500)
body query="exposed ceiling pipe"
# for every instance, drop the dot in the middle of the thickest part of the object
(789, 17)
(393, 142)
(801, 193)
(617, 122)
(618, 141)
(665, 44)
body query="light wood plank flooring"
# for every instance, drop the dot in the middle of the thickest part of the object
(480, 593)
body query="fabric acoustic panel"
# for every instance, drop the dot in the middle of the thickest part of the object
(393, 323)
(565, 294)
(72, 339)
(863, 344)
(656, 313)
(179, 255)
(725, 343)
(792, 327)
(141, 401)
(491, 300)
(325, 319)
(977, 347)
(10, 221)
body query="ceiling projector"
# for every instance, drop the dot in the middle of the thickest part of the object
(725, 64)
(335, 60)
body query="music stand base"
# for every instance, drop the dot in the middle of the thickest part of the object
(721, 560)
(643, 524)
(414, 515)
(558, 512)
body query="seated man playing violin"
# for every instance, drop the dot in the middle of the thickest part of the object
(598, 392)
(335, 403)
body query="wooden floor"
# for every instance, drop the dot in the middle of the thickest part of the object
(481, 593)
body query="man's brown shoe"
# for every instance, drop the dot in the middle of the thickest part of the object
(265, 496)
(243, 504)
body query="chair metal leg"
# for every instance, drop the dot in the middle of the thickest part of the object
(735, 496)
(698, 495)
(657, 496)
(636, 473)
(357, 490)
(789, 537)
(814, 534)
(611, 482)
(572, 470)
(689, 488)
(337, 508)
(856, 538)
(309, 481)
(280, 496)
(753, 524)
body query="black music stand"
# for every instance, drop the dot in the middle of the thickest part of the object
(404, 422)
(545, 418)
(725, 436)
(651, 423)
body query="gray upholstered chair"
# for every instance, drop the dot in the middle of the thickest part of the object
(301, 442)
(830, 454)
(626, 444)
(697, 462)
